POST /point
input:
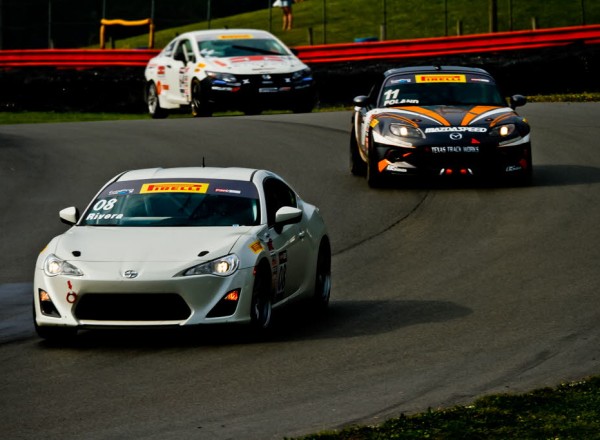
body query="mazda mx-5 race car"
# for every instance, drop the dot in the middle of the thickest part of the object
(229, 69)
(182, 246)
(439, 121)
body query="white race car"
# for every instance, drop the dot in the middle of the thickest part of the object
(182, 246)
(235, 69)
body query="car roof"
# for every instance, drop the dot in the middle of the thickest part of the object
(435, 69)
(232, 173)
(214, 34)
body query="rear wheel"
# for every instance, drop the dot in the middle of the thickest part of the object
(154, 108)
(200, 106)
(261, 307)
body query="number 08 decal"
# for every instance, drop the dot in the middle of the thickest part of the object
(281, 272)
(104, 205)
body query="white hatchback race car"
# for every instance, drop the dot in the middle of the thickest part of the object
(182, 246)
(229, 69)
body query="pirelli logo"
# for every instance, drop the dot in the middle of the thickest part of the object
(180, 187)
(235, 37)
(440, 78)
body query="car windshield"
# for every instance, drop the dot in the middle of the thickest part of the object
(175, 203)
(439, 89)
(224, 48)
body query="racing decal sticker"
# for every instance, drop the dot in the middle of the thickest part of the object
(281, 272)
(251, 58)
(456, 129)
(425, 113)
(429, 78)
(101, 210)
(391, 98)
(121, 192)
(256, 247)
(183, 187)
(373, 123)
(474, 112)
(235, 37)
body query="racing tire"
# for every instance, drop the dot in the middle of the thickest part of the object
(322, 291)
(154, 108)
(200, 106)
(358, 167)
(374, 177)
(261, 307)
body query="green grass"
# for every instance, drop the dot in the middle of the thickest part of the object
(570, 411)
(405, 19)
(45, 117)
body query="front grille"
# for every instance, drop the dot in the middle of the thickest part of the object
(132, 307)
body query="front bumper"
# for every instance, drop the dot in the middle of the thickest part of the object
(482, 160)
(277, 92)
(165, 300)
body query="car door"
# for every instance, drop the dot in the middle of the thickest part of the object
(289, 247)
(178, 70)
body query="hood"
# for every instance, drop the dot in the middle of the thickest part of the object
(254, 64)
(447, 115)
(147, 244)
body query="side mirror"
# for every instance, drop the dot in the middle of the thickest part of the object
(361, 101)
(286, 215)
(69, 216)
(517, 101)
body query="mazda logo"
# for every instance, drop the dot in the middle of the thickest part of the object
(455, 136)
(130, 274)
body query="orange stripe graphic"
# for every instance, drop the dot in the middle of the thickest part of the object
(474, 112)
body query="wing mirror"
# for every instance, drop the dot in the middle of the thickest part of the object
(517, 101)
(69, 216)
(286, 215)
(361, 101)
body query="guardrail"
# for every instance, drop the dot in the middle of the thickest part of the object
(330, 53)
(432, 47)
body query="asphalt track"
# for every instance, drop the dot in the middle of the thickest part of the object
(441, 293)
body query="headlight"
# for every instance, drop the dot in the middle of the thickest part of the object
(55, 266)
(225, 77)
(304, 73)
(222, 266)
(503, 130)
(405, 131)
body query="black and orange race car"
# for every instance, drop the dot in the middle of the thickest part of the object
(439, 121)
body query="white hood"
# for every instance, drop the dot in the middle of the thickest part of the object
(161, 244)
(255, 64)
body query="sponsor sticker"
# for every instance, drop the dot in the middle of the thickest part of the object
(440, 78)
(182, 187)
(235, 37)
(455, 149)
(256, 247)
(456, 130)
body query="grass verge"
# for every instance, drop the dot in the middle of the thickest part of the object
(570, 411)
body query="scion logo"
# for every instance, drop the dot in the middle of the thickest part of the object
(455, 136)
(130, 274)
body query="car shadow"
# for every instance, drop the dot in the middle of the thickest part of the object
(343, 319)
(543, 175)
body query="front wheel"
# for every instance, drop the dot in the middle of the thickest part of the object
(261, 307)
(374, 178)
(322, 291)
(200, 106)
(154, 108)
(357, 165)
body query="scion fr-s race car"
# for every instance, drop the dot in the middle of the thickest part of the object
(182, 246)
(439, 121)
(234, 69)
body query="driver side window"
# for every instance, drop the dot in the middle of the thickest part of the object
(277, 195)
